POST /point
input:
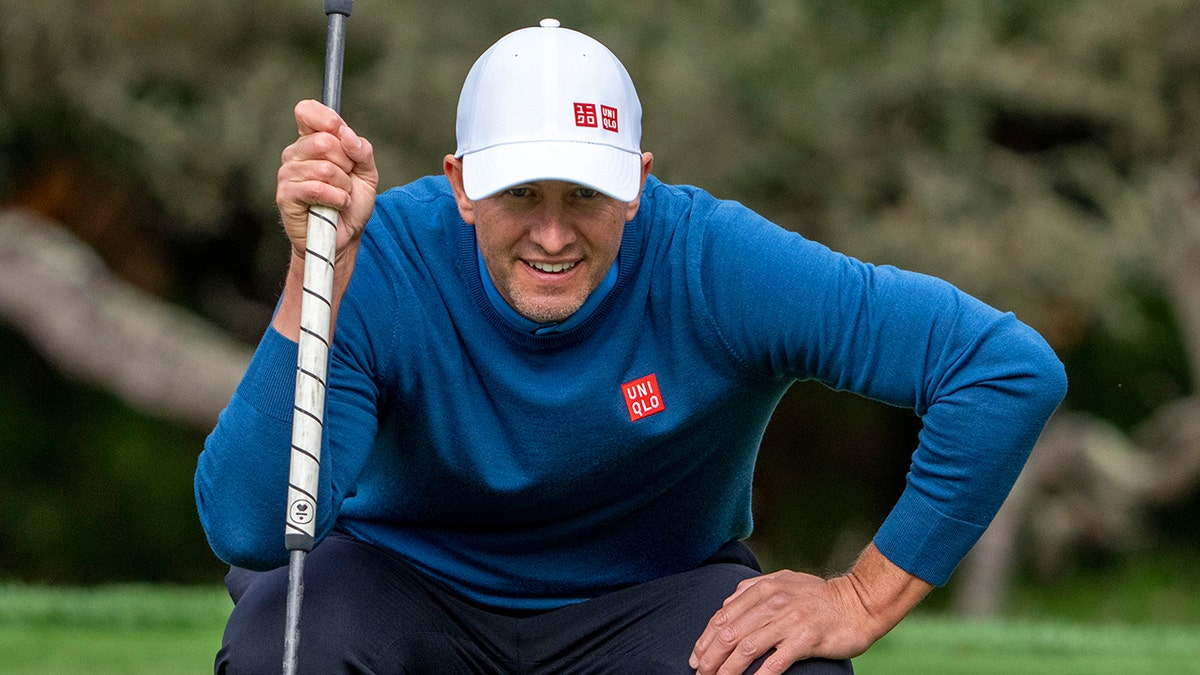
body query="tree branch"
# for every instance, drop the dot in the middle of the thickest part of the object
(159, 358)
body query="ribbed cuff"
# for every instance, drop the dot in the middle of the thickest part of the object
(270, 380)
(924, 542)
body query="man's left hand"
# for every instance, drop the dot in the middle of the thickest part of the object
(802, 616)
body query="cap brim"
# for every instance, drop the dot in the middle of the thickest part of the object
(612, 171)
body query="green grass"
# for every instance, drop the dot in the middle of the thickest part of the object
(162, 629)
(923, 645)
(122, 629)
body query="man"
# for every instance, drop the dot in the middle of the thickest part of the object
(549, 378)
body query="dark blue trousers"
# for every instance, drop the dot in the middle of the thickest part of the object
(366, 611)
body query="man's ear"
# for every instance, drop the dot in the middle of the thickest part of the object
(466, 208)
(632, 209)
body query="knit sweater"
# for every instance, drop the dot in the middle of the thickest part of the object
(531, 471)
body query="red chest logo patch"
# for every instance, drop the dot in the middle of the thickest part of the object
(643, 397)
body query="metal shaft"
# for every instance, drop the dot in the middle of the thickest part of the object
(291, 636)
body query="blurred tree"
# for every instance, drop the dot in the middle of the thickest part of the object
(102, 330)
(1044, 159)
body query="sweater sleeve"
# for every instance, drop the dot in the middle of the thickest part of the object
(242, 474)
(983, 383)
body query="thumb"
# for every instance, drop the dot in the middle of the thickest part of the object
(359, 150)
(351, 142)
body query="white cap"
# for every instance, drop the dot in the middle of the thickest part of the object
(549, 103)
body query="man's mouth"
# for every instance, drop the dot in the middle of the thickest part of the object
(552, 268)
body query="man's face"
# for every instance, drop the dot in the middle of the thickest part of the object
(546, 244)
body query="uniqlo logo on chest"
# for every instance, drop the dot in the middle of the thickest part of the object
(585, 115)
(643, 397)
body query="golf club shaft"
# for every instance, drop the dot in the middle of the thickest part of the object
(295, 594)
(312, 362)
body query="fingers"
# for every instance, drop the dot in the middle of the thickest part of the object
(725, 625)
(328, 165)
(314, 116)
(325, 137)
(787, 615)
(340, 147)
(792, 616)
(360, 151)
(317, 120)
(736, 636)
(303, 182)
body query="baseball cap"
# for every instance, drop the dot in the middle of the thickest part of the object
(549, 103)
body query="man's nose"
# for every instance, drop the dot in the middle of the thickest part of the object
(552, 232)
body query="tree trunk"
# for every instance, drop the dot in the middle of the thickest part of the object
(159, 358)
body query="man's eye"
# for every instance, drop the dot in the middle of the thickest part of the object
(518, 192)
(587, 193)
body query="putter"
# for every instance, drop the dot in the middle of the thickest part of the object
(312, 363)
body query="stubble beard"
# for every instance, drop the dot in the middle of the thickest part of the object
(546, 309)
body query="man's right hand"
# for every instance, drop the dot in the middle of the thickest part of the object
(329, 165)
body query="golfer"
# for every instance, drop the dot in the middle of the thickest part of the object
(549, 378)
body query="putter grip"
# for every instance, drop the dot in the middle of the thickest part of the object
(312, 365)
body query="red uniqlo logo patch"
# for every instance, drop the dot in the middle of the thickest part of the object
(643, 397)
(608, 117)
(585, 115)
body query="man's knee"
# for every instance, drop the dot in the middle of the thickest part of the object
(332, 636)
(362, 612)
(253, 639)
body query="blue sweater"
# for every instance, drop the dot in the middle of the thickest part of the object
(532, 471)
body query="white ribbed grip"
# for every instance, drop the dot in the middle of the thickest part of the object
(312, 365)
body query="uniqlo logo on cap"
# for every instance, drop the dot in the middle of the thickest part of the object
(585, 115)
(608, 117)
(643, 397)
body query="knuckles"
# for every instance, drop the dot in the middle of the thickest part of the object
(324, 144)
(748, 647)
(779, 599)
(317, 146)
(326, 172)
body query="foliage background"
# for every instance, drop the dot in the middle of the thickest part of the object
(1042, 155)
